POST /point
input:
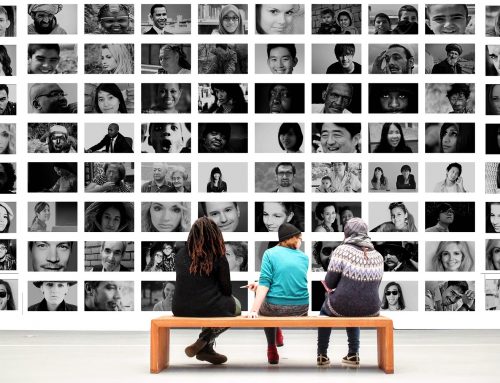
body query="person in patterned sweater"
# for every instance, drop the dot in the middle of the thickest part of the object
(352, 283)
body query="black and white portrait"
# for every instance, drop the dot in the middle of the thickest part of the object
(393, 58)
(279, 58)
(237, 256)
(393, 137)
(223, 137)
(262, 246)
(450, 58)
(222, 58)
(52, 59)
(332, 216)
(109, 19)
(52, 19)
(9, 293)
(7, 138)
(109, 98)
(52, 177)
(8, 60)
(112, 216)
(8, 97)
(399, 256)
(165, 19)
(279, 177)
(269, 216)
(166, 137)
(393, 216)
(338, 58)
(52, 216)
(279, 19)
(8, 255)
(222, 177)
(492, 99)
(393, 176)
(279, 98)
(450, 137)
(222, 19)
(451, 177)
(117, 256)
(492, 138)
(8, 178)
(229, 216)
(52, 98)
(336, 137)
(8, 215)
(52, 137)
(109, 137)
(336, 98)
(492, 178)
(393, 98)
(52, 256)
(109, 177)
(457, 98)
(166, 98)
(492, 20)
(338, 19)
(493, 217)
(223, 98)
(8, 21)
(393, 19)
(109, 295)
(109, 58)
(492, 294)
(398, 296)
(163, 177)
(446, 19)
(286, 137)
(52, 296)
(168, 217)
(492, 254)
(157, 295)
(336, 177)
(321, 253)
(450, 296)
(450, 256)
(445, 217)
(166, 58)
(159, 256)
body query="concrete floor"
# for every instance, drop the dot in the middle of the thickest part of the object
(434, 355)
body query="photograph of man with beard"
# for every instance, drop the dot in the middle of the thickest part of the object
(450, 65)
(336, 98)
(223, 138)
(398, 256)
(393, 59)
(109, 296)
(51, 98)
(60, 140)
(44, 19)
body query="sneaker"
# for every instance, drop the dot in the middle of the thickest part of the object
(195, 348)
(279, 338)
(322, 360)
(272, 355)
(208, 354)
(352, 359)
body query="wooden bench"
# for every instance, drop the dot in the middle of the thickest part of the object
(160, 332)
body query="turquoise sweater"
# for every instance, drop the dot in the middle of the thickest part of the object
(284, 272)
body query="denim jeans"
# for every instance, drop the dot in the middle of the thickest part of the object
(324, 336)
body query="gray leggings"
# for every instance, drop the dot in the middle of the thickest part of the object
(270, 310)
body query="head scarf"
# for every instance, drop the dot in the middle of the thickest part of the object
(224, 11)
(49, 8)
(355, 233)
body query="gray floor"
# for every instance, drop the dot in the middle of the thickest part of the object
(442, 356)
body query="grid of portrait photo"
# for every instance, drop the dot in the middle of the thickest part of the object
(392, 120)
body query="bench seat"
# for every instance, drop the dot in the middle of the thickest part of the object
(160, 332)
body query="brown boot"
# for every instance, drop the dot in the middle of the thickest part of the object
(195, 348)
(209, 355)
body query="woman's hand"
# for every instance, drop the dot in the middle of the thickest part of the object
(252, 315)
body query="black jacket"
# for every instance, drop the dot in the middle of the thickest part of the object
(444, 68)
(153, 32)
(201, 295)
(121, 145)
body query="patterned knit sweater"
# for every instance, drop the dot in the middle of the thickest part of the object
(356, 279)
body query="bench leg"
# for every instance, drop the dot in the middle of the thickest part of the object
(385, 348)
(160, 348)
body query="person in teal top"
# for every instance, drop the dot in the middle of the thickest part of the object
(282, 287)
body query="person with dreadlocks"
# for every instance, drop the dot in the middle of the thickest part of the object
(203, 286)
(351, 282)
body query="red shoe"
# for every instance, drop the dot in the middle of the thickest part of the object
(272, 355)
(279, 337)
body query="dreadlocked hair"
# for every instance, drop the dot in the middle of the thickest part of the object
(205, 243)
